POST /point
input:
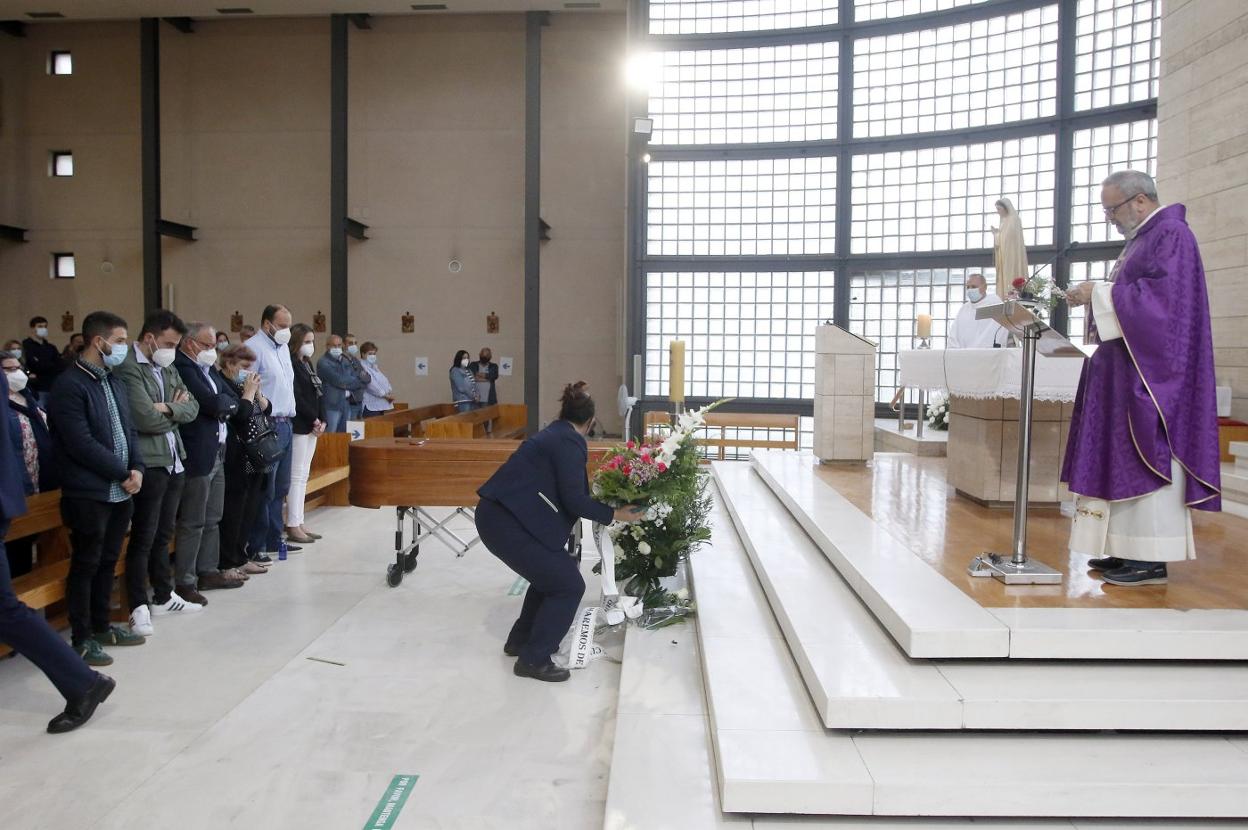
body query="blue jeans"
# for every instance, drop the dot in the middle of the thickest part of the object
(356, 410)
(465, 406)
(31, 636)
(336, 419)
(266, 533)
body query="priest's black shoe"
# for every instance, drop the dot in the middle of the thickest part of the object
(80, 711)
(510, 650)
(1137, 573)
(1109, 563)
(547, 671)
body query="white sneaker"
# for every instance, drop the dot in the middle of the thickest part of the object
(141, 621)
(176, 605)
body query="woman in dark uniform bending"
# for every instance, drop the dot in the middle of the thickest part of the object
(526, 514)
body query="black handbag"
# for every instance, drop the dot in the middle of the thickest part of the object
(262, 446)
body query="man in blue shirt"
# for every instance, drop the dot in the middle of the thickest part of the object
(277, 383)
(340, 379)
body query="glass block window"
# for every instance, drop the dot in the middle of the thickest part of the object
(1117, 52)
(747, 334)
(993, 71)
(741, 207)
(1099, 152)
(61, 163)
(697, 17)
(942, 198)
(883, 306)
(1077, 321)
(743, 96)
(865, 10)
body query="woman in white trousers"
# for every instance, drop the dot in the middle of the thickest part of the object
(307, 426)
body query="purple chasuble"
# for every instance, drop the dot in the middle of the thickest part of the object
(1149, 395)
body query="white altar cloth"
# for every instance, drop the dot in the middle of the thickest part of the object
(988, 373)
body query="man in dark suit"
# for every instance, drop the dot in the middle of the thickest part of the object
(197, 546)
(28, 633)
(485, 370)
(43, 360)
(100, 471)
(526, 513)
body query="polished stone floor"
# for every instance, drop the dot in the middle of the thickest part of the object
(224, 720)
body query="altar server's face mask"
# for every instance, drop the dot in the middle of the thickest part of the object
(974, 295)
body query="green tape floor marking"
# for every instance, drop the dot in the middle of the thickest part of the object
(387, 812)
(518, 587)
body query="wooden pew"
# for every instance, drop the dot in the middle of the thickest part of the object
(403, 420)
(329, 479)
(506, 421)
(658, 423)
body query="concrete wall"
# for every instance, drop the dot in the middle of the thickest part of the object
(1203, 162)
(436, 152)
(95, 214)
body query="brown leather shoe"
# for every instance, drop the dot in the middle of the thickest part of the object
(214, 580)
(294, 534)
(188, 593)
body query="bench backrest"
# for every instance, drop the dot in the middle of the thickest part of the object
(404, 420)
(718, 423)
(504, 420)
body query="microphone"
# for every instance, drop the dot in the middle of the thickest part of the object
(1055, 258)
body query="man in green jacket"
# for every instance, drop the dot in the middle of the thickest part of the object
(159, 402)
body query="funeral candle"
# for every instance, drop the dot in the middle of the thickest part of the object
(924, 325)
(676, 372)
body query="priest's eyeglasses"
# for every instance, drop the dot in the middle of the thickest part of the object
(1110, 211)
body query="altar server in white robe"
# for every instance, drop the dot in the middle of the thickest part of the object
(969, 333)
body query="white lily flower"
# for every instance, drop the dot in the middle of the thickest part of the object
(682, 594)
(643, 548)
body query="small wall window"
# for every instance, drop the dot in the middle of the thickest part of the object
(62, 163)
(60, 63)
(63, 266)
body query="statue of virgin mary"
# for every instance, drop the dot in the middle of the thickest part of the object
(1008, 252)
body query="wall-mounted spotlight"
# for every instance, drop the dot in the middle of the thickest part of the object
(643, 126)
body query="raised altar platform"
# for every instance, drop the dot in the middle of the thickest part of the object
(894, 534)
(812, 710)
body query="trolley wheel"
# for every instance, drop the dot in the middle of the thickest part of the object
(394, 575)
(410, 562)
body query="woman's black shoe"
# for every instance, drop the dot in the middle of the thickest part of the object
(80, 711)
(547, 671)
(510, 650)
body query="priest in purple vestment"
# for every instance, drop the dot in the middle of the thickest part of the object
(1143, 448)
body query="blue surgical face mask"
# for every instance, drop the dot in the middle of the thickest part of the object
(335, 352)
(16, 353)
(354, 348)
(241, 375)
(222, 345)
(116, 354)
(974, 295)
(372, 358)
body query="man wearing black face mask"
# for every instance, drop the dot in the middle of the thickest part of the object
(485, 370)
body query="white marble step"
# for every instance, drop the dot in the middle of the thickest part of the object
(773, 756)
(1239, 449)
(929, 616)
(858, 678)
(925, 613)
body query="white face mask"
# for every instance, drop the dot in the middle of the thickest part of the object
(335, 352)
(281, 336)
(208, 357)
(307, 349)
(17, 380)
(464, 363)
(164, 357)
(372, 358)
(974, 295)
(42, 331)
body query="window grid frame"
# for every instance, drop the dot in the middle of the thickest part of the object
(843, 262)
